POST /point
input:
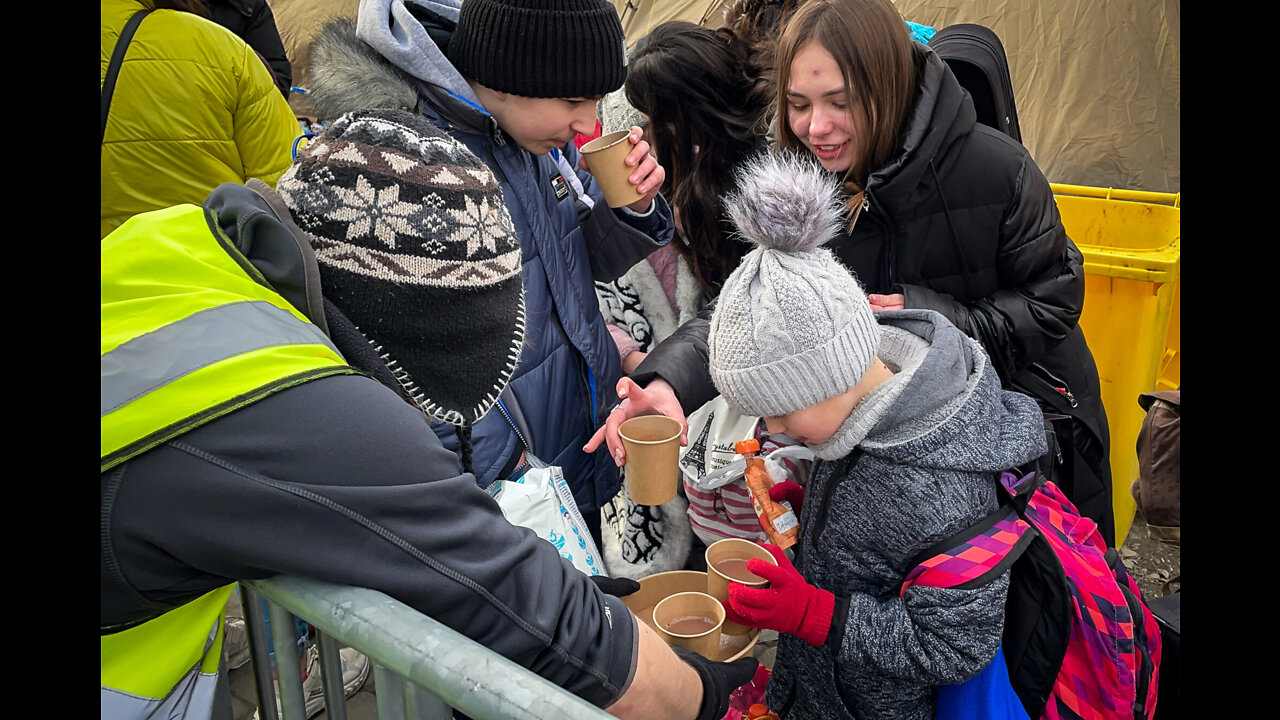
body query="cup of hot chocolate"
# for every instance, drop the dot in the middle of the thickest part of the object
(690, 620)
(727, 562)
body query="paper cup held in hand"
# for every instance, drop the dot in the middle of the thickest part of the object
(726, 562)
(690, 620)
(652, 443)
(607, 159)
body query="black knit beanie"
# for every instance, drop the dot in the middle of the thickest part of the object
(417, 249)
(541, 48)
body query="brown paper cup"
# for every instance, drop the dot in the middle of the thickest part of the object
(718, 582)
(652, 443)
(680, 607)
(607, 159)
(653, 588)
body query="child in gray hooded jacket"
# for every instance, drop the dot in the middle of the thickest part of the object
(910, 429)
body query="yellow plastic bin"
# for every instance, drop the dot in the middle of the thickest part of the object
(1131, 245)
(1171, 362)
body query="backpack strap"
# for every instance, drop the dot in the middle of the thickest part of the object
(113, 67)
(1017, 491)
(983, 551)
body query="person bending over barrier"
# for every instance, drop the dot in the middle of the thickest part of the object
(270, 362)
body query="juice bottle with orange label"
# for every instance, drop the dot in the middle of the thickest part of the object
(781, 527)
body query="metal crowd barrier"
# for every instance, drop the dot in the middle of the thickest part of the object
(421, 668)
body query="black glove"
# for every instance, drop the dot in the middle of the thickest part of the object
(718, 680)
(617, 587)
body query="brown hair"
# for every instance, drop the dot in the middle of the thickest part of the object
(755, 25)
(872, 46)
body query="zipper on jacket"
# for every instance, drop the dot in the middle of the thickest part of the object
(1058, 384)
(887, 261)
(820, 517)
(519, 436)
(495, 132)
(519, 470)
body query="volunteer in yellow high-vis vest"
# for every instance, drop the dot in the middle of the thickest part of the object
(165, 278)
(253, 425)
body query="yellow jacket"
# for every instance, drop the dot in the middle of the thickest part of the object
(193, 107)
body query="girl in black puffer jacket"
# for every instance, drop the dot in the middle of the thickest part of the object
(943, 213)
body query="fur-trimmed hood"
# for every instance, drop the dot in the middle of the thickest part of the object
(348, 75)
(391, 57)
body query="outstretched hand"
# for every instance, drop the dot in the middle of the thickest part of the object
(656, 399)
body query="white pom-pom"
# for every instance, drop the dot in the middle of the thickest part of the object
(785, 201)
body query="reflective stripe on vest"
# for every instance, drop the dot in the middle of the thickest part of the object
(191, 331)
(168, 666)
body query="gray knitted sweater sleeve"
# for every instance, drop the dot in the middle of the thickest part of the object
(930, 635)
(927, 635)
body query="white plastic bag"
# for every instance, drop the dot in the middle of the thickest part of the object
(540, 500)
(710, 462)
(720, 504)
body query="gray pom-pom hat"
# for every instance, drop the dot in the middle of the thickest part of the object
(792, 326)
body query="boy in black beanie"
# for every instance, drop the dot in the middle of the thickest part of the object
(515, 81)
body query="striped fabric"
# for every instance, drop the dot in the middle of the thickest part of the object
(972, 562)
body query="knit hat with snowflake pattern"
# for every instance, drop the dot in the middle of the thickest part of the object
(417, 249)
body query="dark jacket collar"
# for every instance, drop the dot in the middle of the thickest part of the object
(941, 116)
(257, 223)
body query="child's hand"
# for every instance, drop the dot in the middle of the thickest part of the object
(789, 605)
(648, 175)
(788, 491)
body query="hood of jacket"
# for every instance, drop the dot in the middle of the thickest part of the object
(944, 408)
(393, 56)
(257, 223)
(941, 115)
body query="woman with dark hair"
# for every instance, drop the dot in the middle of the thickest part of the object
(691, 88)
(691, 84)
(942, 213)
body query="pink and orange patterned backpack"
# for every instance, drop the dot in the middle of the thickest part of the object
(1079, 640)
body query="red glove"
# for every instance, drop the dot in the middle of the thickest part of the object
(789, 491)
(789, 605)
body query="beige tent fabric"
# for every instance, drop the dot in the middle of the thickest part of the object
(640, 16)
(1097, 84)
(298, 22)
